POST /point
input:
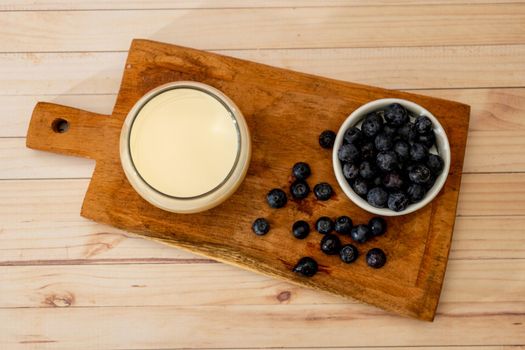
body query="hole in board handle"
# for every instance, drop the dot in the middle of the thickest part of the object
(60, 125)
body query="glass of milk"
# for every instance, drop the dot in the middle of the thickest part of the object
(185, 147)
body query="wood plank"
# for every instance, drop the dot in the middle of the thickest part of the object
(393, 68)
(492, 109)
(264, 325)
(487, 152)
(31, 5)
(484, 24)
(205, 284)
(41, 224)
(492, 194)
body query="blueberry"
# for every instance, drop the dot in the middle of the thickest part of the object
(276, 198)
(300, 229)
(435, 163)
(377, 226)
(324, 225)
(418, 152)
(367, 170)
(393, 180)
(377, 181)
(396, 115)
(402, 149)
(327, 139)
(348, 253)
(330, 244)
(376, 258)
(427, 139)
(387, 161)
(353, 135)
(419, 174)
(407, 132)
(430, 183)
(383, 142)
(299, 189)
(372, 124)
(360, 233)
(377, 197)
(343, 225)
(415, 193)
(360, 186)
(423, 125)
(368, 150)
(323, 191)
(348, 153)
(260, 226)
(397, 201)
(306, 266)
(301, 171)
(350, 171)
(389, 130)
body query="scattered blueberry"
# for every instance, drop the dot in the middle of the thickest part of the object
(393, 180)
(415, 193)
(301, 171)
(276, 198)
(299, 189)
(376, 258)
(418, 152)
(324, 225)
(435, 163)
(306, 266)
(327, 139)
(387, 161)
(348, 153)
(377, 226)
(353, 135)
(360, 233)
(367, 170)
(423, 125)
(323, 191)
(360, 186)
(377, 197)
(330, 244)
(402, 149)
(397, 201)
(396, 115)
(419, 174)
(260, 226)
(350, 171)
(372, 124)
(383, 142)
(300, 229)
(348, 253)
(343, 225)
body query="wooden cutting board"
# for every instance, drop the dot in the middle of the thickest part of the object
(285, 111)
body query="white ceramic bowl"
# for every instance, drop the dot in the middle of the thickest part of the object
(202, 201)
(442, 145)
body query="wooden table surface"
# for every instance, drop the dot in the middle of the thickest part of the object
(68, 283)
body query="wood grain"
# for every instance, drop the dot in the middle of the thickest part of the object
(41, 225)
(393, 68)
(418, 276)
(264, 325)
(31, 5)
(484, 24)
(212, 284)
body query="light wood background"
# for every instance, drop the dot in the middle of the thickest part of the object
(68, 283)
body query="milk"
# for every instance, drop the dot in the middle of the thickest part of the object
(184, 142)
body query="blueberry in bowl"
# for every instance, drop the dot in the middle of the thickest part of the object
(391, 157)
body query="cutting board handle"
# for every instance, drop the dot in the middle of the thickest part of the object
(67, 130)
